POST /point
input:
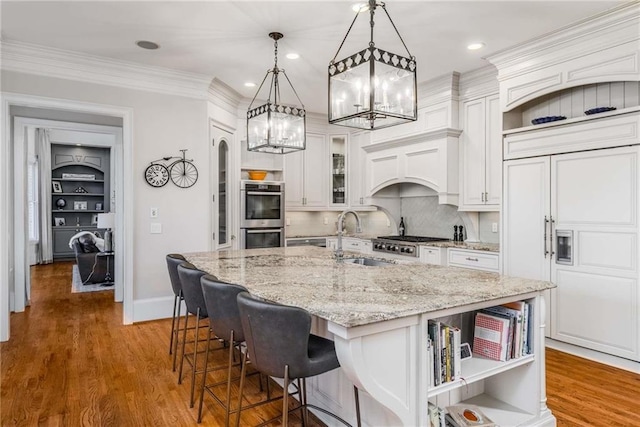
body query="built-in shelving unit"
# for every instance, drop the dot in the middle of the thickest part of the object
(82, 198)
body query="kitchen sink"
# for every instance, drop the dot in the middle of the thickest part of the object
(367, 261)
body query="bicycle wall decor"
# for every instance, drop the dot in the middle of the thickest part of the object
(181, 170)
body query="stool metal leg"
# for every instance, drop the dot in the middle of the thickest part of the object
(184, 340)
(177, 332)
(302, 394)
(285, 397)
(195, 359)
(173, 323)
(242, 378)
(204, 374)
(232, 358)
(357, 397)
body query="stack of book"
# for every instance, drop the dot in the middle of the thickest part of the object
(503, 332)
(444, 354)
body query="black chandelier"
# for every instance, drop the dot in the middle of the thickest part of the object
(373, 88)
(274, 127)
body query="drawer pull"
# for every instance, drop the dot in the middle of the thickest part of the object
(471, 259)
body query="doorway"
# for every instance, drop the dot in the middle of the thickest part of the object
(13, 244)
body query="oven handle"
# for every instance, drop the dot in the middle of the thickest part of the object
(262, 231)
(264, 193)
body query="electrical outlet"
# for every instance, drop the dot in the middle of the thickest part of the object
(325, 220)
(156, 228)
(288, 221)
(494, 227)
(153, 213)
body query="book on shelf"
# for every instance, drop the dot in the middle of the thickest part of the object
(463, 415)
(491, 336)
(444, 352)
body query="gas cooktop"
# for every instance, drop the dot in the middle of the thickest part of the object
(402, 245)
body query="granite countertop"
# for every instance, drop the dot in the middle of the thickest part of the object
(353, 295)
(476, 246)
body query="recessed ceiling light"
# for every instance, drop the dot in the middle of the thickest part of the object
(360, 7)
(250, 84)
(145, 44)
(79, 145)
(475, 46)
(292, 56)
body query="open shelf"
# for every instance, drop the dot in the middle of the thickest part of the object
(53, 178)
(79, 194)
(477, 368)
(499, 412)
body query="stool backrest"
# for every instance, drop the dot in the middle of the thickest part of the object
(191, 290)
(222, 307)
(276, 335)
(173, 261)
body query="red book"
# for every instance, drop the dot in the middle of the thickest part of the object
(491, 337)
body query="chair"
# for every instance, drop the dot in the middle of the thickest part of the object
(173, 260)
(189, 277)
(224, 323)
(279, 344)
(92, 268)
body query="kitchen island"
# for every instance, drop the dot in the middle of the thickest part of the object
(378, 317)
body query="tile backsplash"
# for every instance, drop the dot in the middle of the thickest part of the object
(424, 216)
(313, 223)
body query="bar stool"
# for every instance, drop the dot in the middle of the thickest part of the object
(279, 344)
(194, 300)
(224, 323)
(173, 260)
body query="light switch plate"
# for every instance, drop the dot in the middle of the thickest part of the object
(153, 213)
(288, 220)
(494, 227)
(156, 228)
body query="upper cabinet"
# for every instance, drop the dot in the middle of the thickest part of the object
(356, 193)
(305, 175)
(481, 156)
(340, 173)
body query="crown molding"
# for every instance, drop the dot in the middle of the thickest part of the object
(599, 32)
(224, 96)
(64, 64)
(438, 90)
(478, 83)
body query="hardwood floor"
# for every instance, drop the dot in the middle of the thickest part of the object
(71, 362)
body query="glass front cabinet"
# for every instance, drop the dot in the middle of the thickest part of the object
(338, 144)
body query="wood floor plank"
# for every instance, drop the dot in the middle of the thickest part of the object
(71, 362)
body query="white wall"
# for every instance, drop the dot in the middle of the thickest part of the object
(162, 124)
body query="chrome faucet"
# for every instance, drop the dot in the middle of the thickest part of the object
(339, 251)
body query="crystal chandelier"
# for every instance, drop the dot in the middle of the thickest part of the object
(274, 127)
(372, 88)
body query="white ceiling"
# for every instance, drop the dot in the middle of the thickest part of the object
(228, 39)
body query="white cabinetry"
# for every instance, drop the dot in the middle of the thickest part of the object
(432, 255)
(481, 156)
(351, 244)
(476, 260)
(340, 172)
(356, 157)
(305, 175)
(573, 219)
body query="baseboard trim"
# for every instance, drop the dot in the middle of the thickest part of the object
(154, 309)
(596, 356)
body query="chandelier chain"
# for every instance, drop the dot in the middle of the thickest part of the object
(397, 32)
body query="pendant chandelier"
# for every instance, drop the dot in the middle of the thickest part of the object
(373, 88)
(273, 127)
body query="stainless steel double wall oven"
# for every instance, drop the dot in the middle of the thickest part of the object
(262, 214)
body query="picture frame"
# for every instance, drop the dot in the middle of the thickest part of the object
(79, 205)
(59, 222)
(94, 219)
(98, 206)
(56, 186)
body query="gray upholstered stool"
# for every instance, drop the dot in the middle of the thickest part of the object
(279, 344)
(224, 323)
(173, 260)
(194, 300)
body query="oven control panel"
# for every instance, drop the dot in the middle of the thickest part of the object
(395, 248)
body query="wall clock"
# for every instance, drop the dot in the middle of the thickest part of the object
(157, 175)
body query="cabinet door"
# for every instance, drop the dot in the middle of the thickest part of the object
(316, 178)
(356, 170)
(473, 152)
(594, 200)
(339, 170)
(493, 151)
(294, 178)
(525, 207)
